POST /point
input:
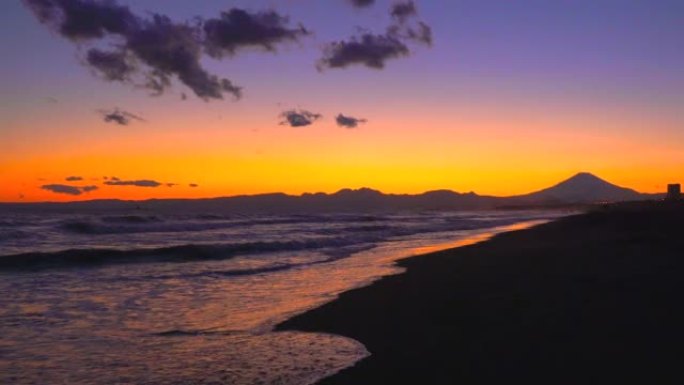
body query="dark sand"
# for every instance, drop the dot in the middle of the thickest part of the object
(590, 299)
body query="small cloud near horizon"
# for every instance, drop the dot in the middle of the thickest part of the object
(349, 121)
(114, 181)
(120, 117)
(68, 189)
(73, 178)
(298, 118)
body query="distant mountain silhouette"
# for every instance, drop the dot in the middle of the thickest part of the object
(583, 188)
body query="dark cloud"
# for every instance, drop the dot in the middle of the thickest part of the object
(374, 49)
(361, 3)
(136, 183)
(238, 28)
(119, 116)
(419, 33)
(84, 19)
(403, 10)
(171, 184)
(368, 49)
(406, 26)
(73, 178)
(193, 185)
(348, 121)
(422, 34)
(62, 189)
(299, 118)
(171, 49)
(112, 65)
(68, 189)
(152, 51)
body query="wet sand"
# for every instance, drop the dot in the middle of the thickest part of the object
(589, 299)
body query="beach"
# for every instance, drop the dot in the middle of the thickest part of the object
(587, 299)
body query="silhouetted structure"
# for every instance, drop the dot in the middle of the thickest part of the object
(674, 192)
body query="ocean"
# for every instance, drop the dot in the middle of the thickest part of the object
(192, 298)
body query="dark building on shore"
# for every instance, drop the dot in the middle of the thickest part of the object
(674, 192)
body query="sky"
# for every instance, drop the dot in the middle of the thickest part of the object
(172, 99)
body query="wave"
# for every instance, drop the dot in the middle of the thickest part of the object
(132, 219)
(332, 242)
(333, 255)
(12, 235)
(178, 254)
(152, 224)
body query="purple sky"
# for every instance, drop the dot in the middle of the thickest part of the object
(621, 57)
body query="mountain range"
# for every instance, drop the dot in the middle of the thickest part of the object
(583, 188)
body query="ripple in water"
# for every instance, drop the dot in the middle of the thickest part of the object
(287, 358)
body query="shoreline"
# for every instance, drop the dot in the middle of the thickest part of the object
(586, 298)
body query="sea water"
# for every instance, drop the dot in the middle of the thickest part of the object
(161, 298)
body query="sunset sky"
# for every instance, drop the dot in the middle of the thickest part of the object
(510, 97)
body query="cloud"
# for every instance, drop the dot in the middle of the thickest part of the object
(238, 28)
(62, 189)
(171, 184)
(137, 183)
(111, 65)
(368, 49)
(88, 188)
(348, 121)
(374, 49)
(171, 49)
(193, 185)
(361, 3)
(151, 52)
(403, 10)
(420, 33)
(299, 118)
(73, 178)
(423, 34)
(80, 20)
(118, 116)
(406, 26)
(68, 189)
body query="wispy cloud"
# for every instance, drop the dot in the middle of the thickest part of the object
(361, 3)
(119, 117)
(73, 178)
